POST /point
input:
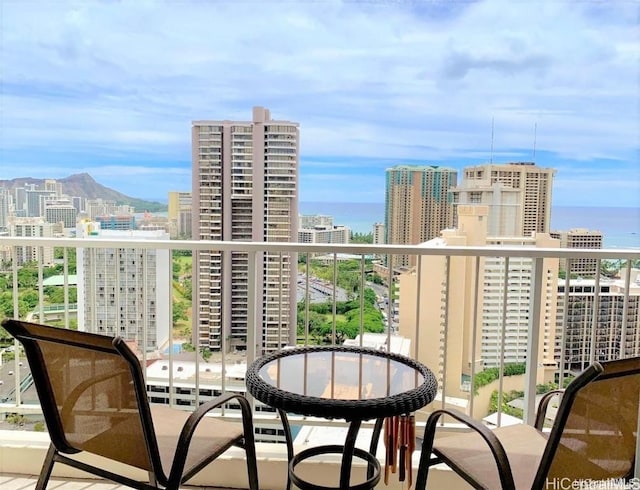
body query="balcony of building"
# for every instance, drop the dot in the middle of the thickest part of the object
(432, 313)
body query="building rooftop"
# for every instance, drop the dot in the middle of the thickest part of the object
(59, 280)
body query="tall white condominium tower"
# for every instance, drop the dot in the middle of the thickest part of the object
(516, 192)
(5, 200)
(124, 291)
(245, 187)
(417, 205)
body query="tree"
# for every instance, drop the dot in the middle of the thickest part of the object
(71, 259)
(361, 237)
(176, 270)
(55, 295)
(179, 311)
(375, 278)
(609, 268)
(30, 298)
(187, 288)
(316, 320)
(28, 276)
(206, 353)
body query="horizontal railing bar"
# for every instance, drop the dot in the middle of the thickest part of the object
(241, 246)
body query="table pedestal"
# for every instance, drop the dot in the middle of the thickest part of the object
(348, 451)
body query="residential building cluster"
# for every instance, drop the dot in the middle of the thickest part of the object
(245, 187)
(121, 290)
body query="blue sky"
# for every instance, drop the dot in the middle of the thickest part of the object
(111, 88)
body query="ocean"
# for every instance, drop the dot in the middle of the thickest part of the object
(620, 226)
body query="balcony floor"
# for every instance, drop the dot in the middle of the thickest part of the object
(21, 482)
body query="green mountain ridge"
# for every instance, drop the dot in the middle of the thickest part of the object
(83, 185)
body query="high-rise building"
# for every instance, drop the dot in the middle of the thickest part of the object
(418, 205)
(324, 234)
(35, 200)
(319, 228)
(313, 220)
(124, 291)
(4, 208)
(54, 186)
(179, 214)
(245, 187)
(579, 238)
(613, 336)
(32, 227)
(493, 185)
(503, 202)
(20, 201)
(117, 222)
(495, 304)
(60, 210)
(79, 203)
(378, 233)
(101, 207)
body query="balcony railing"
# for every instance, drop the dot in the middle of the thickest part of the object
(460, 310)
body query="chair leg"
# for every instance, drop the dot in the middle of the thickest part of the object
(153, 481)
(252, 466)
(426, 458)
(426, 462)
(47, 466)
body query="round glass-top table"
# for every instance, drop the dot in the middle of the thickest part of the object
(349, 383)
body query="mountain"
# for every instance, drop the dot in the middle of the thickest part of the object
(83, 185)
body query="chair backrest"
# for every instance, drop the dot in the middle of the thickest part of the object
(92, 393)
(595, 431)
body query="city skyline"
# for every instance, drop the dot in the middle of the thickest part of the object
(112, 89)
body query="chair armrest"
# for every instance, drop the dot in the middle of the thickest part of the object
(493, 443)
(192, 422)
(542, 407)
(202, 410)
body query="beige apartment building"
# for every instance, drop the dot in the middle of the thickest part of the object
(33, 227)
(448, 309)
(378, 233)
(515, 193)
(418, 205)
(179, 214)
(245, 187)
(579, 238)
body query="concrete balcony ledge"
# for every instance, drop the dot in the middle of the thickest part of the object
(22, 453)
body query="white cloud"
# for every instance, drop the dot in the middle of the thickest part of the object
(396, 80)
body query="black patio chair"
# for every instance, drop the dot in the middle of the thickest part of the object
(94, 400)
(593, 438)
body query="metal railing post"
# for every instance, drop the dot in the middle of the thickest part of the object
(533, 340)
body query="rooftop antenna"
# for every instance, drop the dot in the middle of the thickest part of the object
(491, 158)
(535, 133)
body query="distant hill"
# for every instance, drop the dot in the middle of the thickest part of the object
(83, 185)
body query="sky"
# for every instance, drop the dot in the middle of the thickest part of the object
(111, 88)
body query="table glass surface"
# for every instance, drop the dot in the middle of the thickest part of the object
(340, 375)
